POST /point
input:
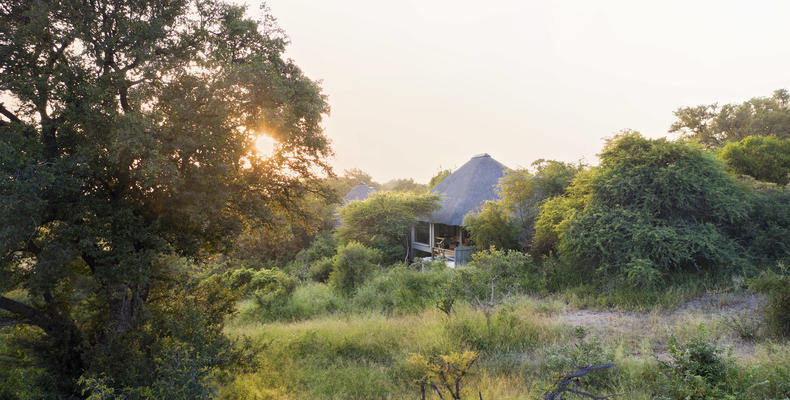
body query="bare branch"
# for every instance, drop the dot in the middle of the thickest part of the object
(8, 114)
(27, 313)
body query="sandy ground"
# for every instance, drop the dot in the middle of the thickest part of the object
(655, 326)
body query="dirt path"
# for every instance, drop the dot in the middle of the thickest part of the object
(655, 326)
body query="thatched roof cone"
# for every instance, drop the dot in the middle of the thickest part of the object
(466, 189)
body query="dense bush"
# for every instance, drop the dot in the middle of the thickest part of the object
(321, 269)
(566, 358)
(492, 227)
(650, 208)
(323, 246)
(777, 287)
(402, 289)
(697, 370)
(384, 221)
(352, 264)
(765, 158)
(767, 233)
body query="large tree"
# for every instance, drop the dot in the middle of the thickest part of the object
(127, 134)
(713, 125)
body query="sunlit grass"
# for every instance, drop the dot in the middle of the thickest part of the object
(352, 354)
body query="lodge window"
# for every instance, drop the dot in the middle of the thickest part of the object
(422, 233)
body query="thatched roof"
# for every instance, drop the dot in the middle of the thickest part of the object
(359, 192)
(466, 189)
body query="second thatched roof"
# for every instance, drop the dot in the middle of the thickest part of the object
(359, 192)
(466, 189)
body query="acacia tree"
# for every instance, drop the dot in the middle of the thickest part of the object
(127, 134)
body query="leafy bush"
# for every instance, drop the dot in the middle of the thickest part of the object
(765, 158)
(493, 227)
(311, 300)
(777, 287)
(271, 287)
(697, 370)
(652, 207)
(566, 358)
(518, 268)
(321, 269)
(402, 289)
(323, 246)
(384, 221)
(352, 265)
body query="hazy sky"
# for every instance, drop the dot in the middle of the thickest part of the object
(416, 85)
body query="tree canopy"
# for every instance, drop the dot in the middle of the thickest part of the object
(127, 137)
(713, 125)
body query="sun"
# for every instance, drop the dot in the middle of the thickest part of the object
(265, 145)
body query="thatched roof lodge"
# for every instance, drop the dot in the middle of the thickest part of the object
(359, 192)
(463, 192)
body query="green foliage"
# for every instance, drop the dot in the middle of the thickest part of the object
(22, 378)
(567, 358)
(767, 232)
(404, 185)
(384, 221)
(271, 287)
(777, 287)
(443, 373)
(697, 370)
(492, 227)
(403, 290)
(352, 265)
(510, 222)
(131, 137)
(322, 247)
(321, 270)
(714, 126)
(765, 158)
(556, 213)
(653, 207)
(439, 177)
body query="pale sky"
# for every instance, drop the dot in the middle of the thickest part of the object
(416, 85)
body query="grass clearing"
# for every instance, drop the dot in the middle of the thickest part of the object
(522, 348)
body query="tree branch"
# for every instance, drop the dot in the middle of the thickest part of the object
(28, 314)
(8, 114)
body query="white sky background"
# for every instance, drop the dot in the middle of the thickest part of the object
(416, 85)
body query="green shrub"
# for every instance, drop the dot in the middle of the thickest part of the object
(403, 290)
(321, 269)
(311, 300)
(766, 158)
(515, 267)
(777, 287)
(323, 246)
(271, 288)
(505, 332)
(352, 264)
(566, 358)
(653, 207)
(697, 370)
